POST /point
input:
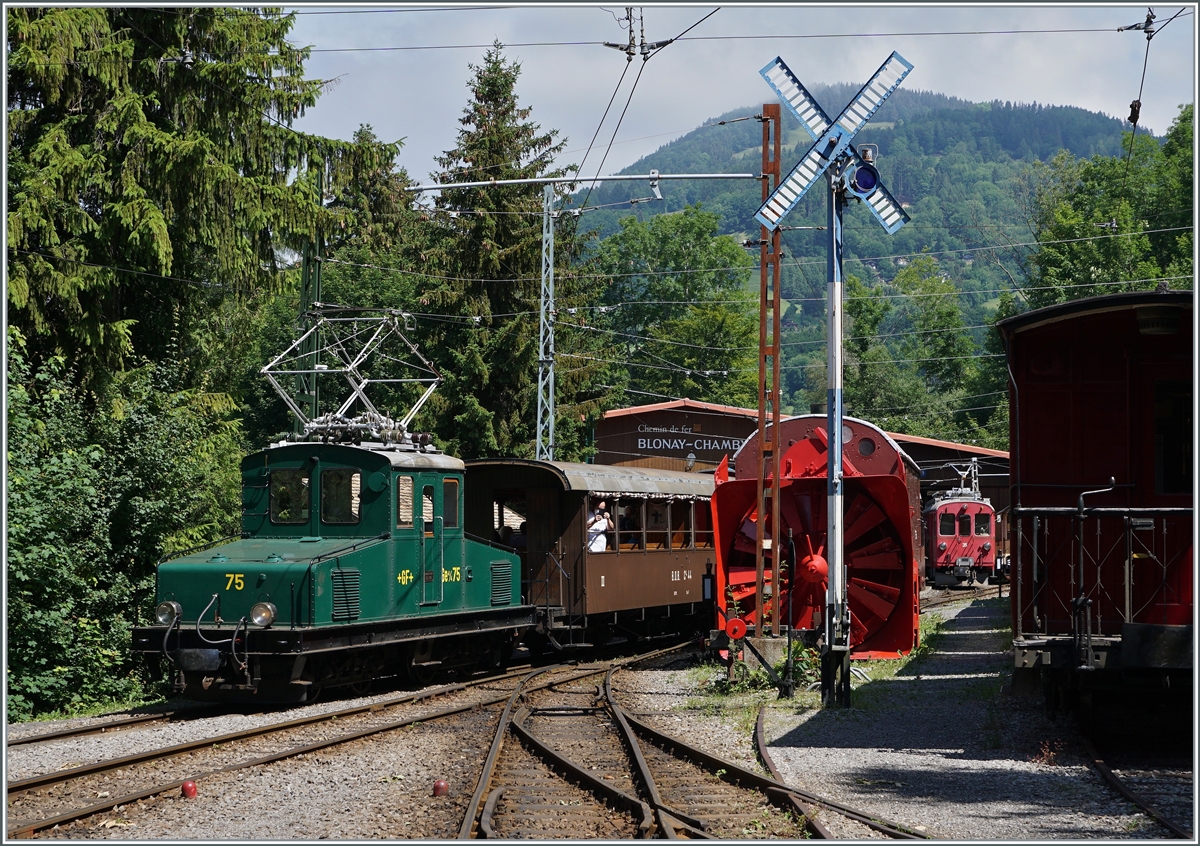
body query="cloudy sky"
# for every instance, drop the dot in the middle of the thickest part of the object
(404, 69)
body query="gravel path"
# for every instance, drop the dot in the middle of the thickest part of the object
(939, 745)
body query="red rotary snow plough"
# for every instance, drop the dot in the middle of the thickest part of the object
(882, 528)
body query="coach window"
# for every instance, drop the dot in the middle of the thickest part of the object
(703, 526)
(289, 496)
(657, 525)
(404, 502)
(427, 508)
(983, 523)
(631, 522)
(964, 524)
(1172, 437)
(946, 523)
(340, 495)
(681, 524)
(450, 503)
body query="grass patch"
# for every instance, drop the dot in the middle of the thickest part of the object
(97, 709)
(701, 674)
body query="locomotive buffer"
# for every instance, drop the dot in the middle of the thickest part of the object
(849, 172)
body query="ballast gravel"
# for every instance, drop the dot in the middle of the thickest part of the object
(938, 747)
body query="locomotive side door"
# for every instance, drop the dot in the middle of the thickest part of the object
(408, 545)
(432, 544)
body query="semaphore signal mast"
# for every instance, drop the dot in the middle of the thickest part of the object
(850, 173)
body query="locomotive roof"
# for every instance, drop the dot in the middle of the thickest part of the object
(612, 479)
(1093, 305)
(402, 458)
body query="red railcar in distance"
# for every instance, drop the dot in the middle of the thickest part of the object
(960, 535)
(1102, 478)
(882, 535)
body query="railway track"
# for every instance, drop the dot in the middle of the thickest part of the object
(951, 595)
(43, 801)
(121, 724)
(569, 763)
(529, 790)
(1162, 786)
(566, 762)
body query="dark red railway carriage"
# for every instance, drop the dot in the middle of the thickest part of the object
(882, 535)
(1101, 475)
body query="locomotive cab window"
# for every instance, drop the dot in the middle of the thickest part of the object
(404, 502)
(450, 503)
(983, 523)
(289, 496)
(946, 523)
(341, 489)
(964, 525)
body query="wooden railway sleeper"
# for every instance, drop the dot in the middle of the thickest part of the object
(631, 804)
(635, 751)
(779, 796)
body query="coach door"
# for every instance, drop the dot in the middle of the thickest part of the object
(432, 541)
(543, 580)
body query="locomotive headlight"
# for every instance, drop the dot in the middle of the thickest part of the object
(263, 614)
(942, 546)
(168, 612)
(987, 547)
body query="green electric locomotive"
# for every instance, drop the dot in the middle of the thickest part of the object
(353, 562)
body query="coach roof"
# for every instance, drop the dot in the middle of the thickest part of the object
(613, 480)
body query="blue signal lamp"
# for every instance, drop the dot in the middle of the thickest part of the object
(862, 181)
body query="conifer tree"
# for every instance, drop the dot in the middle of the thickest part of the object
(489, 261)
(149, 146)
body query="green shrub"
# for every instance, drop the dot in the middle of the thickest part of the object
(99, 486)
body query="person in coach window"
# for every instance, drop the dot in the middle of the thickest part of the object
(598, 525)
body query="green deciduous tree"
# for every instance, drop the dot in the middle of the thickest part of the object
(681, 311)
(937, 342)
(98, 488)
(909, 360)
(1112, 223)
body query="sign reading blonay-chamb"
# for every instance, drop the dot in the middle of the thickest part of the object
(678, 435)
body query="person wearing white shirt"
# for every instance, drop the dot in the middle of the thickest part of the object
(599, 523)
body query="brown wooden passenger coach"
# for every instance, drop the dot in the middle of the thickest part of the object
(648, 577)
(1102, 477)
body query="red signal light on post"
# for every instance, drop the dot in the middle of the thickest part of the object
(736, 629)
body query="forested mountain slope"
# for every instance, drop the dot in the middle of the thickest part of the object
(956, 166)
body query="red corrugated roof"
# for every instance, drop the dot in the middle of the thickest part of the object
(682, 403)
(750, 412)
(971, 448)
